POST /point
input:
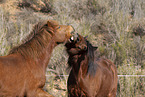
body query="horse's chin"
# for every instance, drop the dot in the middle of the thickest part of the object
(73, 51)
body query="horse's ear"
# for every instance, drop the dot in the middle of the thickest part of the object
(95, 48)
(86, 37)
(52, 23)
(76, 36)
(49, 24)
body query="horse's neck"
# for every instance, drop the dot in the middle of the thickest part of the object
(40, 57)
(80, 68)
(80, 65)
(44, 58)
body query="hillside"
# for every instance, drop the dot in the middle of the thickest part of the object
(116, 27)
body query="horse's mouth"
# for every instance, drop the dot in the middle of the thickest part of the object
(73, 37)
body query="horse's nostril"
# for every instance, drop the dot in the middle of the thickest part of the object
(79, 47)
(82, 47)
(85, 47)
(72, 32)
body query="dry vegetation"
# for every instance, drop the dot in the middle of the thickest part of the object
(117, 27)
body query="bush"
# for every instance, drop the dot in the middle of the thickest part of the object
(116, 27)
(44, 6)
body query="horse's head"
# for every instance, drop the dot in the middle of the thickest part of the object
(60, 33)
(76, 45)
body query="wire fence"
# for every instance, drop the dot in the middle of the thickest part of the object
(131, 86)
(118, 75)
(128, 85)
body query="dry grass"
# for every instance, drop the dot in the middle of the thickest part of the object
(116, 27)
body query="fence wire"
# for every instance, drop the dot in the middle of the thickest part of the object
(118, 75)
(131, 86)
(128, 85)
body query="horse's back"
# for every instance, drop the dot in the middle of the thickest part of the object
(11, 64)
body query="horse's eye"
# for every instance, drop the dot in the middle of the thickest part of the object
(78, 39)
(72, 39)
(46, 25)
(58, 27)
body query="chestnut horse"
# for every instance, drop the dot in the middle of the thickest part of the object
(22, 71)
(89, 76)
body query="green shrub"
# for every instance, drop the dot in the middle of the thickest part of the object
(116, 27)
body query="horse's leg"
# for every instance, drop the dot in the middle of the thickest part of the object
(42, 93)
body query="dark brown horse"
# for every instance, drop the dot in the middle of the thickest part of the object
(89, 76)
(22, 71)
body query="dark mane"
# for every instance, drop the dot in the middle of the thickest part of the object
(34, 42)
(90, 53)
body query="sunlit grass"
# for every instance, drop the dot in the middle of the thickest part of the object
(109, 24)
